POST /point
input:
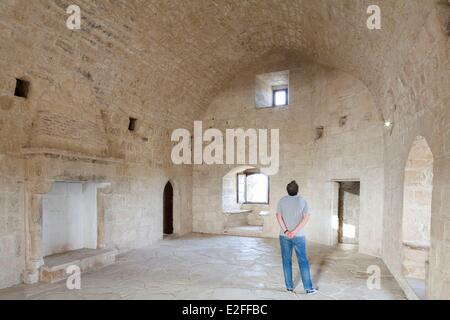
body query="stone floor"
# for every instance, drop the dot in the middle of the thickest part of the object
(418, 286)
(219, 267)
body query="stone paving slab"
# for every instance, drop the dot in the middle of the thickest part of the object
(200, 266)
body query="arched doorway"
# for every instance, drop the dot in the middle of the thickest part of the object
(168, 209)
(418, 188)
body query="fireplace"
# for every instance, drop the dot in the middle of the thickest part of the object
(69, 218)
(65, 213)
(72, 229)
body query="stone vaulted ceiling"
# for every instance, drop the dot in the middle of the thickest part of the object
(175, 55)
(195, 46)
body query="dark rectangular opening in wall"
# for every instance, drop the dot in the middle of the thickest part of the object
(348, 212)
(22, 88)
(132, 124)
(319, 132)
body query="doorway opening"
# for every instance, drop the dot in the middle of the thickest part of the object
(348, 212)
(168, 209)
(418, 188)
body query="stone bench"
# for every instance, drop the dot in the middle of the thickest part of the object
(55, 266)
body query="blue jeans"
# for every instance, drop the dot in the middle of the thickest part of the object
(299, 244)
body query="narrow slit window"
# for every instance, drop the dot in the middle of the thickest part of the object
(132, 124)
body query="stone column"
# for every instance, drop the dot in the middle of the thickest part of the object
(34, 239)
(438, 284)
(36, 187)
(102, 190)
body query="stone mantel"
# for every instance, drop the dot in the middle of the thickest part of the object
(68, 155)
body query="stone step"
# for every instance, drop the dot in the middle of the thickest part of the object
(55, 266)
(236, 220)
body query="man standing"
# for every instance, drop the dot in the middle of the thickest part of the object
(292, 215)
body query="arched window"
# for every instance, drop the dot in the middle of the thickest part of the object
(418, 188)
(252, 187)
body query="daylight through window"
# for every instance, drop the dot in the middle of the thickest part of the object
(253, 188)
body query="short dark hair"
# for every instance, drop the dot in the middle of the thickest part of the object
(292, 188)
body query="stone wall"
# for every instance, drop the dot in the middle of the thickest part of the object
(352, 150)
(73, 126)
(416, 94)
(132, 207)
(163, 63)
(12, 248)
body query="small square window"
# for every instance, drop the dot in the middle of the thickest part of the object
(271, 89)
(22, 88)
(132, 124)
(280, 97)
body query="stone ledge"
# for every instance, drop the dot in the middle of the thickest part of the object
(238, 211)
(422, 246)
(68, 155)
(244, 231)
(54, 268)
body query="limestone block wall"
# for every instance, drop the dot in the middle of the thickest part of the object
(132, 60)
(73, 126)
(12, 224)
(417, 98)
(352, 151)
(229, 192)
(132, 207)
